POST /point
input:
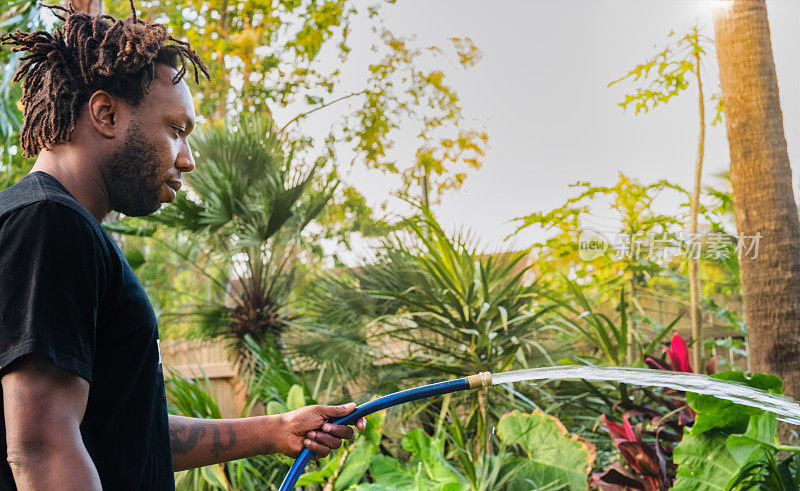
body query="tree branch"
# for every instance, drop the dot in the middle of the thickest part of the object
(302, 115)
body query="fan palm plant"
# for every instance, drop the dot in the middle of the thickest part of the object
(248, 204)
(430, 306)
(433, 300)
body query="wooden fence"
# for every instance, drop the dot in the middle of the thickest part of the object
(209, 359)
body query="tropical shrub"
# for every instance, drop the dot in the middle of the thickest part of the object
(249, 202)
(719, 444)
(614, 343)
(536, 452)
(727, 439)
(647, 447)
(430, 306)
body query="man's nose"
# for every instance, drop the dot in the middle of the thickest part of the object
(185, 161)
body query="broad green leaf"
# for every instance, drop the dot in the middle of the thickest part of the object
(389, 473)
(375, 487)
(555, 456)
(135, 257)
(426, 470)
(726, 437)
(295, 399)
(429, 451)
(759, 440)
(327, 468)
(704, 462)
(724, 415)
(356, 464)
(374, 429)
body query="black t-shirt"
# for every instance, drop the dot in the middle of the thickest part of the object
(67, 292)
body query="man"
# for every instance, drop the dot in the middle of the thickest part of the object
(108, 115)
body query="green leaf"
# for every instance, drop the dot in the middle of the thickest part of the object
(215, 476)
(426, 469)
(759, 439)
(389, 473)
(704, 462)
(375, 487)
(328, 467)
(428, 451)
(135, 258)
(726, 438)
(556, 457)
(275, 407)
(356, 464)
(295, 399)
(374, 429)
(724, 415)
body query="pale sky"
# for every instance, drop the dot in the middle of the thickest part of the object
(541, 94)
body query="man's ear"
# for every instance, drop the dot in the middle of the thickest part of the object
(103, 110)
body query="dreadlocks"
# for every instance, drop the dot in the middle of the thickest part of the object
(89, 53)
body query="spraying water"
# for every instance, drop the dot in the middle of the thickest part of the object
(786, 409)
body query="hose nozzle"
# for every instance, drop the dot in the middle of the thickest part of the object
(481, 380)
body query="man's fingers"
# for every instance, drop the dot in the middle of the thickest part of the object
(339, 431)
(318, 449)
(329, 441)
(361, 424)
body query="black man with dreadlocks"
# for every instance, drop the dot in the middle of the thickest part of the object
(107, 114)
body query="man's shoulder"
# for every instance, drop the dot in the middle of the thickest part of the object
(41, 195)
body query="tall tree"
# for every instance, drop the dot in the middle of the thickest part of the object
(663, 77)
(762, 188)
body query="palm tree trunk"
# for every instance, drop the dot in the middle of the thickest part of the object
(762, 189)
(694, 280)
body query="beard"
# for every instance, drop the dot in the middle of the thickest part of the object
(131, 175)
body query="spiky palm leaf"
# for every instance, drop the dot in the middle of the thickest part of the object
(249, 201)
(430, 306)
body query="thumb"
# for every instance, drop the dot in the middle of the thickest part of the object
(336, 411)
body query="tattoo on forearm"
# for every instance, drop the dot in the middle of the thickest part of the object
(217, 446)
(182, 445)
(186, 436)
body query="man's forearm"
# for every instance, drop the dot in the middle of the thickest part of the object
(199, 442)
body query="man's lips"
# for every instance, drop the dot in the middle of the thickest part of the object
(172, 187)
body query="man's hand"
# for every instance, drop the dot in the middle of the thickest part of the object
(308, 427)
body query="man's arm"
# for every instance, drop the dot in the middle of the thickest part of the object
(200, 442)
(43, 409)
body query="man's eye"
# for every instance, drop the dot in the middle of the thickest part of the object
(178, 131)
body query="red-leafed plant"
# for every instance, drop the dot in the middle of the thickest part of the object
(678, 354)
(650, 460)
(647, 448)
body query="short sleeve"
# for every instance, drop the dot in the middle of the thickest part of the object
(49, 286)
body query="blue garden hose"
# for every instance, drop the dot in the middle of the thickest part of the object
(483, 379)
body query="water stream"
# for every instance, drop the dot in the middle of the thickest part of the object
(786, 409)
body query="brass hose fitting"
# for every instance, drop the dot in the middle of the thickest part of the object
(481, 380)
